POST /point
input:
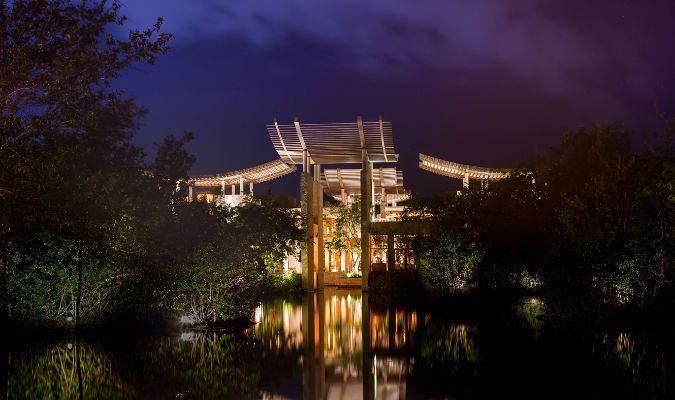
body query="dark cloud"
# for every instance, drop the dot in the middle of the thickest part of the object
(475, 81)
(553, 42)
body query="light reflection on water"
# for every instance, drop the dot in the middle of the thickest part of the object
(337, 356)
(320, 348)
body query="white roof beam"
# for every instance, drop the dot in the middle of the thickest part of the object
(384, 148)
(281, 139)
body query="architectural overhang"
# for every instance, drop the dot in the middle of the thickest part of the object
(336, 181)
(259, 173)
(461, 171)
(334, 143)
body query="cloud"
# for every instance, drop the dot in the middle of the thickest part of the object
(526, 38)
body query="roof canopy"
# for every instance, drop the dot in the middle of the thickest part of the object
(334, 143)
(259, 173)
(389, 179)
(459, 171)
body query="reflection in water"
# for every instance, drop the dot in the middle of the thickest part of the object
(64, 371)
(279, 325)
(639, 357)
(338, 356)
(340, 344)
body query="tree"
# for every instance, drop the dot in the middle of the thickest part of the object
(346, 228)
(227, 269)
(71, 180)
(58, 59)
(591, 219)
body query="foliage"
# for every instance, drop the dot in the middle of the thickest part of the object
(72, 184)
(448, 265)
(43, 285)
(591, 219)
(287, 283)
(58, 60)
(230, 267)
(346, 228)
(89, 228)
(354, 274)
(613, 216)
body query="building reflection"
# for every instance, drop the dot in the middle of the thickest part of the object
(341, 359)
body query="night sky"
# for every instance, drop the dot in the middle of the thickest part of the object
(480, 82)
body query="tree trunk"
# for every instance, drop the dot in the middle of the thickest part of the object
(79, 369)
(5, 355)
(78, 296)
(4, 306)
(5, 359)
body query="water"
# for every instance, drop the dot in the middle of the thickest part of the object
(320, 349)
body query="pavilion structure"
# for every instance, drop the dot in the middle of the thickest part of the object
(207, 186)
(345, 161)
(344, 185)
(462, 171)
(344, 143)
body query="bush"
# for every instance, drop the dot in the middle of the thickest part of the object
(42, 280)
(448, 266)
(287, 283)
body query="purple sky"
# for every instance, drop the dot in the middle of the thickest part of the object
(483, 82)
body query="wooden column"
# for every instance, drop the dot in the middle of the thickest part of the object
(366, 200)
(465, 181)
(234, 189)
(189, 192)
(250, 188)
(241, 185)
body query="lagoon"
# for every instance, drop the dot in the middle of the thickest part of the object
(341, 344)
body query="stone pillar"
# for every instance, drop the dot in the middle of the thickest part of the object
(343, 261)
(465, 181)
(366, 200)
(189, 192)
(241, 185)
(305, 161)
(318, 216)
(234, 189)
(222, 188)
(383, 203)
(307, 246)
(250, 188)
(391, 254)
